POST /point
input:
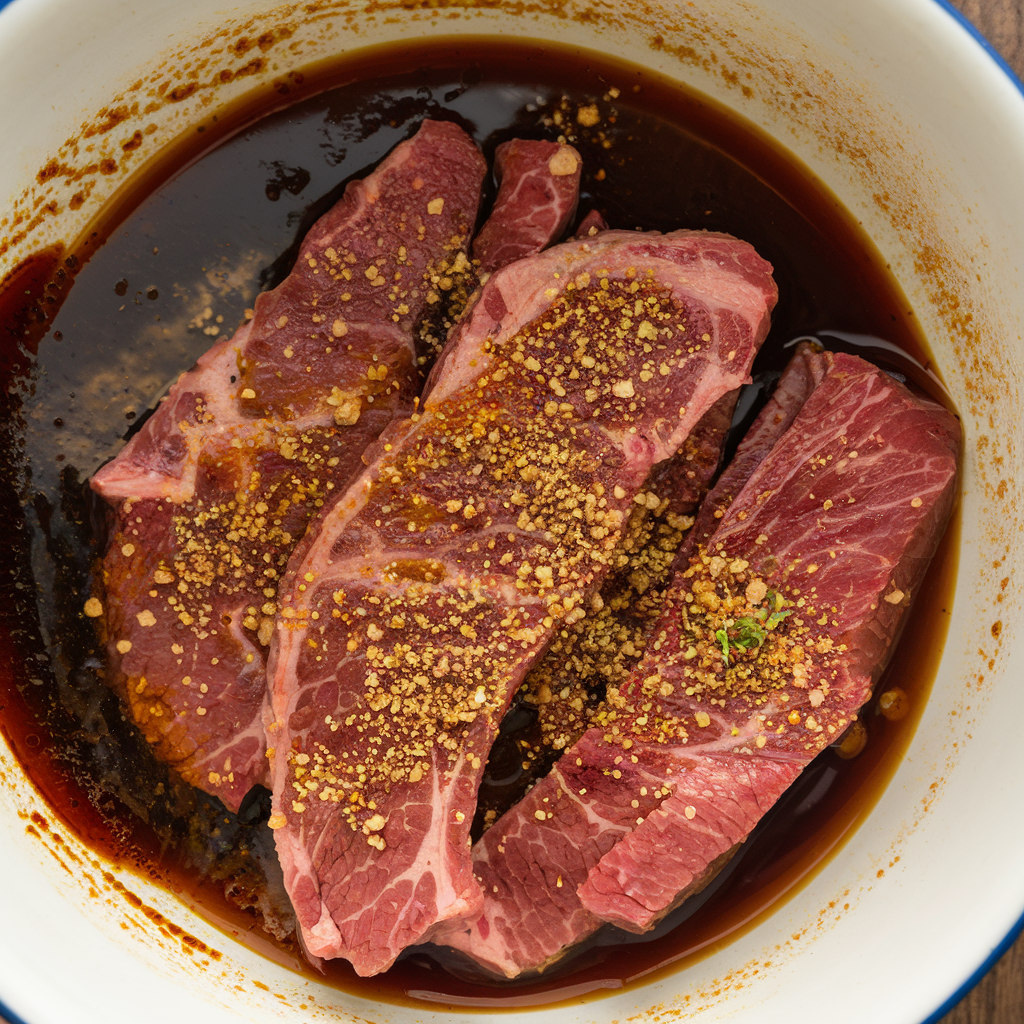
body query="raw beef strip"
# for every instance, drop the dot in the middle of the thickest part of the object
(784, 621)
(591, 224)
(478, 529)
(804, 372)
(567, 685)
(214, 491)
(841, 523)
(539, 189)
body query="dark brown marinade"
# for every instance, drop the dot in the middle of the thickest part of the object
(90, 337)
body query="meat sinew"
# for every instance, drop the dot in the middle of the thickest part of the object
(212, 494)
(771, 639)
(481, 525)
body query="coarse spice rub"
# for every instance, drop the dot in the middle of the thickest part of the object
(481, 526)
(568, 684)
(724, 642)
(770, 640)
(211, 496)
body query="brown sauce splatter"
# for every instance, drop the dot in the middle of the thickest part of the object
(175, 263)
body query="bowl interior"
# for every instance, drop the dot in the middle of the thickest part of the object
(921, 136)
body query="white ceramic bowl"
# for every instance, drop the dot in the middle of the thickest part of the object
(920, 132)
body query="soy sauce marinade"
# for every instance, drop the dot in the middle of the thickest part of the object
(175, 266)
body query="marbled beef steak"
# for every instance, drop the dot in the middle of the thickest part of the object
(415, 606)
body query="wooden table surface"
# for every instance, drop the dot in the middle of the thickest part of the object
(999, 997)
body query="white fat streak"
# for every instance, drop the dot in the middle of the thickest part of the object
(588, 807)
(434, 856)
(318, 559)
(214, 760)
(127, 478)
(538, 179)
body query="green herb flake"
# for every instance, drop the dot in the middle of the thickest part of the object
(748, 633)
(723, 638)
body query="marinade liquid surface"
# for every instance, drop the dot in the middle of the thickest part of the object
(91, 337)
